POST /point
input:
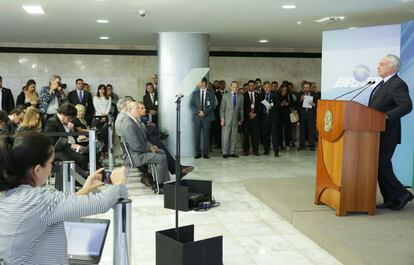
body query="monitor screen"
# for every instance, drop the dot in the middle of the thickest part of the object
(85, 238)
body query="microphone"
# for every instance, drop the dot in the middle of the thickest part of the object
(178, 97)
(372, 82)
(352, 91)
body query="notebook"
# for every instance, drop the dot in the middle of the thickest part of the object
(86, 239)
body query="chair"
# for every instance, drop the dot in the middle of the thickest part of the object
(126, 156)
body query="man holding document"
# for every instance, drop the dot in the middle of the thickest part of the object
(307, 117)
(270, 105)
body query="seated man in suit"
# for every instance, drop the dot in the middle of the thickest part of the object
(142, 151)
(62, 122)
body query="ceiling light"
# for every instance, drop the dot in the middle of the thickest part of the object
(263, 41)
(299, 23)
(104, 37)
(102, 21)
(288, 6)
(38, 10)
(353, 28)
(330, 19)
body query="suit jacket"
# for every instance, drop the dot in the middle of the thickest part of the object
(232, 116)
(195, 105)
(133, 133)
(257, 105)
(315, 100)
(53, 124)
(394, 100)
(274, 102)
(7, 100)
(149, 105)
(87, 101)
(219, 96)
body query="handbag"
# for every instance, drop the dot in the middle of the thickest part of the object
(294, 116)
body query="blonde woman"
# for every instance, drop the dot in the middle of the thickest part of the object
(32, 121)
(28, 97)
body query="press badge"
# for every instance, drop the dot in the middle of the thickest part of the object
(252, 106)
(208, 103)
(156, 103)
(271, 104)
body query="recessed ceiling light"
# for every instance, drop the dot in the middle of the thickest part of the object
(299, 23)
(38, 10)
(263, 41)
(102, 21)
(288, 6)
(330, 19)
(104, 37)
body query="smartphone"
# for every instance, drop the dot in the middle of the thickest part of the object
(106, 177)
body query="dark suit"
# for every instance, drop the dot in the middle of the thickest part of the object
(270, 122)
(393, 99)
(202, 124)
(150, 105)
(7, 100)
(251, 126)
(87, 101)
(307, 121)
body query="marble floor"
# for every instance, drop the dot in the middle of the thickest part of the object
(253, 234)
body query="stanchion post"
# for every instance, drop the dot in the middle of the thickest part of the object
(122, 233)
(68, 180)
(92, 151)
(111, 142)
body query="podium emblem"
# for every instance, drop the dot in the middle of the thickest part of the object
(328, 121)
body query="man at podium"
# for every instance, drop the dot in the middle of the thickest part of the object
(391, 97)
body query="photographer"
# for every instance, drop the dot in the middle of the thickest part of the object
(52, 96)
(31, 216)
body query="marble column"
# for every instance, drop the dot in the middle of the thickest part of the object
(178, 53)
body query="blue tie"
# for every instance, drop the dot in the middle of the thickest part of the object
(234, 100)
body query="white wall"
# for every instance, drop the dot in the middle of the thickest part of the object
(128, 74)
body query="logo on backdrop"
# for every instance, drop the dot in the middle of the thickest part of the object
(360, 76)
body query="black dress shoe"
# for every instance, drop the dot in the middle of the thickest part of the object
(401, 202)
(145, 181)
(197, 156)
(276, 154)
(266, 153)
(245, 154)
(301, 148)
(234, 155)
(225, 156)
(256, 153)
(386, 205)
(206, 156)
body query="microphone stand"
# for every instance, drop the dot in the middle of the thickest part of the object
(352, 91)
(372, 82)
(177, 162)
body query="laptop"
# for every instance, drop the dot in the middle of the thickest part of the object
(86, 239)
(60, 144)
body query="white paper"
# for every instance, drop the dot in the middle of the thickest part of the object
(307, 100)
(266, 103)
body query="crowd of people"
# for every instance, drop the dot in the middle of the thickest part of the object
(262, 113)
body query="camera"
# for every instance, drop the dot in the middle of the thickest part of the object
(142, 12)
(61, 85)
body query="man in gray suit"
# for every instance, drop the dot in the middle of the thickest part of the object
(202, 105)
(142, 151)
(231, 116)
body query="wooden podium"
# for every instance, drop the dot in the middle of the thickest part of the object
(347, 165)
